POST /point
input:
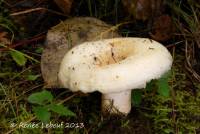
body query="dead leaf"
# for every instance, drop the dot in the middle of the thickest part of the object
(143, 9)
(64, 5)
(4, 39)
(162, 28)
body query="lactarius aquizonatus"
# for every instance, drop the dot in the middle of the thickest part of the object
(114, 67)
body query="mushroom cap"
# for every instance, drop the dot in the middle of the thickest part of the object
(114, 65)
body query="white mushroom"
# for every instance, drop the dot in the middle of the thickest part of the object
(114, 67)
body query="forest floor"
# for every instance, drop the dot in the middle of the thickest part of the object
(23, 28)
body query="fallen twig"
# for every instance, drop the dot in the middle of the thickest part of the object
(189, 55)
(174, 44)
(26, 41)
(37, 9)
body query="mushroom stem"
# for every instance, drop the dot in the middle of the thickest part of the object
(114, 103)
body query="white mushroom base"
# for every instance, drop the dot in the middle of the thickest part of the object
(115, 103)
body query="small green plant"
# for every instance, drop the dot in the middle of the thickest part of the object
(18, 57)
(136, 97)
(161, 85)
(44, 106)
(5, 20)
(32, 77)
